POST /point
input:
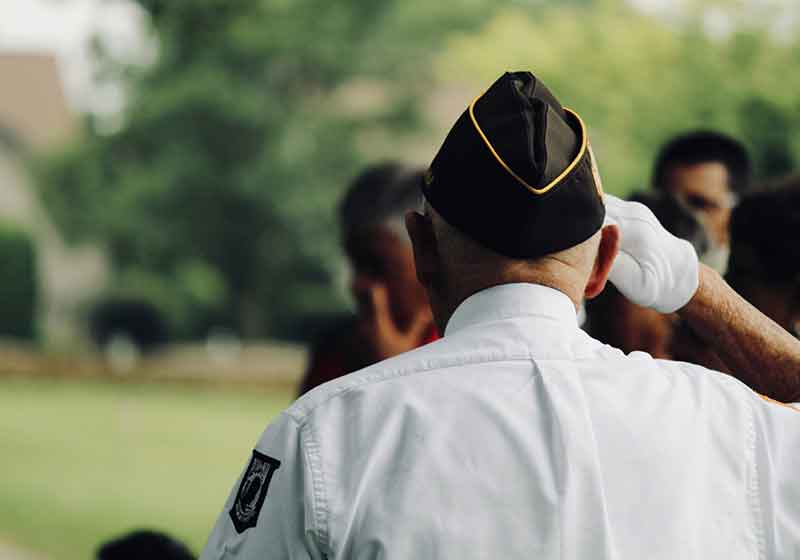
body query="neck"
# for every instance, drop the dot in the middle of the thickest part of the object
(558, 276)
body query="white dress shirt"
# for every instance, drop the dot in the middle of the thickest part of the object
(517, 435)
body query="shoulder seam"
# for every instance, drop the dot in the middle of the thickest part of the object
(755, 485)
(299, 413)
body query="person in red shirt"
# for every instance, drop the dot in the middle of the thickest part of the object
(392, 310)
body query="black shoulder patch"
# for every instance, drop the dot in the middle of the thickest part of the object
(253, 491)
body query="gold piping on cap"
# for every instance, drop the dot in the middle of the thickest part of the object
(519, 179)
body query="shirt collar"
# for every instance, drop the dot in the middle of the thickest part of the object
(512, 300)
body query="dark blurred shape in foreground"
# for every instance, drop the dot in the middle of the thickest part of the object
(144, 545)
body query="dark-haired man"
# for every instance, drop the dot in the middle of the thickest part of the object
(709, 172)
(517, 435)
(392, 311)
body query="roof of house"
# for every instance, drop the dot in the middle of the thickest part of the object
(32, 101)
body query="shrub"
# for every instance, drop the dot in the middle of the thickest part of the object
(138, 319)
(18, 287)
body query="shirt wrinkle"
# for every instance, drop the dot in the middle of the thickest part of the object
(319, 504)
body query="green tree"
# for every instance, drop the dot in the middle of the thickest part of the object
(769, 129)
(237, 142)
(19, 289)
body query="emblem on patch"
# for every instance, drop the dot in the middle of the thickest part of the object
(253, 491)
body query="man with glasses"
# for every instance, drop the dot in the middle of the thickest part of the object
(708, 172)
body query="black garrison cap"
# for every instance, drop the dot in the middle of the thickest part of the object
(515, 172)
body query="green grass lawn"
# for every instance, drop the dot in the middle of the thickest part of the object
(84, 461)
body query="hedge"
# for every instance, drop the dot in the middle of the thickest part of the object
(19, 283)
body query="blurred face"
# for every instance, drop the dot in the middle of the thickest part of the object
(378, 256)
(703, 187)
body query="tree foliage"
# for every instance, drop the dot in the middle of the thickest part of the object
(236, 145)
(216, 195)
(637, 79)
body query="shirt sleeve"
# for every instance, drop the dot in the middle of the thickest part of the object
(269, 513)
(778, 465)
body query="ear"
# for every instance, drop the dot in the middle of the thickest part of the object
(606, 253)
(423, 241)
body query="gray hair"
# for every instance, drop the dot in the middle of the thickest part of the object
(380, 196)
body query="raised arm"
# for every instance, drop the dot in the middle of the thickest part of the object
(755, 348)
(658, 270)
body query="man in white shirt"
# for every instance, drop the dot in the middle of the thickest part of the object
(517, 435)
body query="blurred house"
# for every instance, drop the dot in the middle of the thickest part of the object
(33, 117)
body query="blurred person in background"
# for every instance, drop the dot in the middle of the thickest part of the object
(392, 310)
(144, 545)
(764, 266)
(708, 172)
(615, 320)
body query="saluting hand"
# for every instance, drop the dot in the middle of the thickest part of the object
(654, 268)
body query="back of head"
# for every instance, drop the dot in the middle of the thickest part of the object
(704, 146)
(469, 261)
(515, 173)
(513, 195)
(765, 235)
(144, 545)
(380, 196)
